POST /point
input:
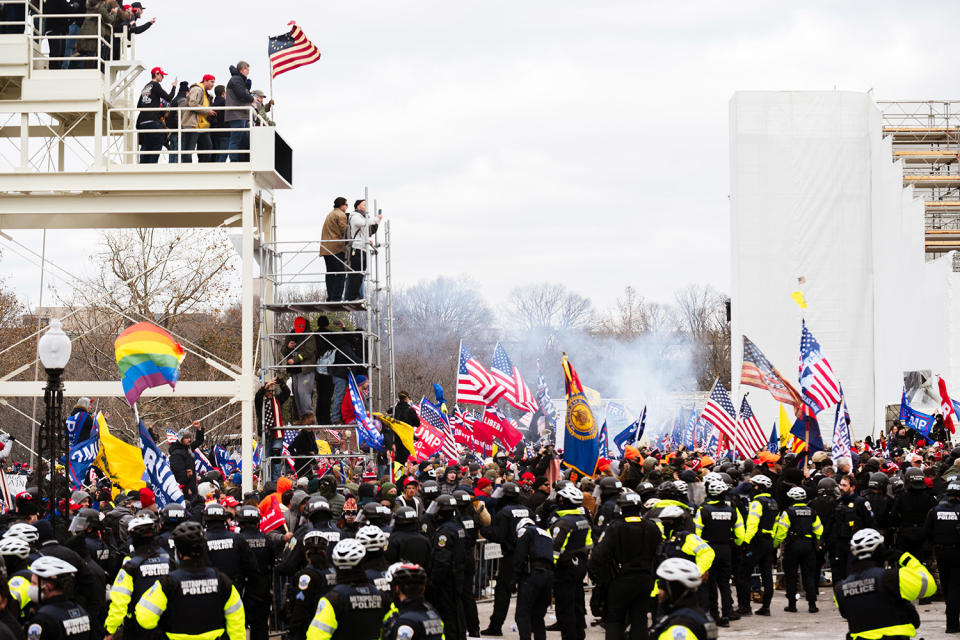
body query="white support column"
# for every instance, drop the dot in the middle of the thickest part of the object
(246, 339)
(24, 141)
(98, 116)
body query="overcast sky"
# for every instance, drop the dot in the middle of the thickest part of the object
(518, 142)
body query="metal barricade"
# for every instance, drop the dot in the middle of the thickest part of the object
(487, 557)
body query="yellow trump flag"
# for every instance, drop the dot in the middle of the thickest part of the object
(403, 430)
(121, 462)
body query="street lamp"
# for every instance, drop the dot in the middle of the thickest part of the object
(54, 351)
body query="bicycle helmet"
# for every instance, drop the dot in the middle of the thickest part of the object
(51, 567)
(716, 487)
(761, 480)
(681, 571)
(188, 537)
(372, 538)
(142, 526)
(315, 540)
(797, 494)
(671, 511)
(406, 574)
(864, 543)
(571, 494)
(348, 553)
(24, 531)
(14, 547)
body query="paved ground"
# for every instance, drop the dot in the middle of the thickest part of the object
(781, 625)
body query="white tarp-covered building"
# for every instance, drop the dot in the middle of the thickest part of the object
(814, 193)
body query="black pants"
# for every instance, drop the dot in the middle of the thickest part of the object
(257, 612)
(335, 276)
(151, 141)
(358, 266)
(324, 397)
(628, 603)
(800, 554)
(948, 563)
(502, 592)
(839, 560)
(533, 600)
(446, 600)
(719, 580)
(569, 600)
(471, 618)
(742, 574)
(762, 554)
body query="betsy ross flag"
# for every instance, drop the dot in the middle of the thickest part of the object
(475, 385)
(512, 387)
(750, 435)
(720, 412)
(291, 50)
(171, 436)
(759, 372)
(818, 383)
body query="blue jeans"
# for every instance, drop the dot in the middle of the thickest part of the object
(70, 44)
(173, 144)
(239, 140)
(276, 462)
(339, 390)
(150, 142)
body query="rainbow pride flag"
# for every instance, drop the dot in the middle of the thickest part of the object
(148, 357)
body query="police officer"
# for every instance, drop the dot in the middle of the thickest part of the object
(411, 616)
(256, 592)
(376, 514)
(680, 542)
(87, 524)
(318, 514)
(471, 529)
(880, 503)
(14, 553)
(673, 494)
(354, 608)
(610, 488)
(621, 563)
(407, 543)
(170, 516)
(572, 543)
(139, 571)
(943, 532)
(533, 566)
(851, 514)
(876, 601)
(374, 542)
(761, 519)
(195, 600)
(446, 576)
(909, 514)
(228, 551)
(503, 530)
(721, 526)
(678, 580)
(312, 583)
(799, 525)
(58, 617)
(824, 504)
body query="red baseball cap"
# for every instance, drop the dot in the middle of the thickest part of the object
(208, 77)
(157, 70)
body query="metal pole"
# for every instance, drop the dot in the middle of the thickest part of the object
(52, 437)
(246, 337)
(36, 364)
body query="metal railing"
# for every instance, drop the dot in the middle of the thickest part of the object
(131, 143)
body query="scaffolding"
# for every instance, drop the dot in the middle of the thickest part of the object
(925, 135)
(357, 338)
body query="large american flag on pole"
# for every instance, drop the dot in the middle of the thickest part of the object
(759, 372)
(750, 435)
(512, 387)
(291, 50)
(720, 412)
(475, 385)
(819, 385)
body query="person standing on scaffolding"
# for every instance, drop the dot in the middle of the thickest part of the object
(333, 248)
(360, 243)
(267, 402)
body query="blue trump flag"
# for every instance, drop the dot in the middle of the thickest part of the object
(82, 456)
(773, 445)
(581, 442)
(156, 471)
(223, 460)
(689, 435)
(74, 425)
(919, 422)
(604, 440)
(200, 462)
(631, 434)
(368, 435)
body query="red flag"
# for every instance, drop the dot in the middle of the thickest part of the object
(273, 518)
(429, 441)
(946, 406)
(501, 428)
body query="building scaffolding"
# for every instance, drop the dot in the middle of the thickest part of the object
(925, 135)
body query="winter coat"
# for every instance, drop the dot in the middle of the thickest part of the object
(334, 234)
(199, 102)
(181, 460)
(238, 95)
(304, 352)
(89, 46)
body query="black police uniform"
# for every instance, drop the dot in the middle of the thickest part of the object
(621, 563)
(101, 553)
(851, 514)
(799, 553)
(825, 506)
(880, 506)
(310, 585)
(572, 542)
(231, 554)
(293, 558)
(359, 617)
(256, 592)
(687, 614)
(533, 566)
(409, 545)
(503, 530)
(414, 618)
(606, 513)
(446, 577)
(943, 531)
(468, 601)
(60, 619)
(195, 600)
(718, 521)
(909, 516)
(144, 569)
(761, 551)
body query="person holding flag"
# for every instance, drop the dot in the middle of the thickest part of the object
(182, 458)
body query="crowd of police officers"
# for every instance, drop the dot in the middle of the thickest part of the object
(662, 561)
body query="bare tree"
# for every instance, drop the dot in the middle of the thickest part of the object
(703, 315)
(549, 308)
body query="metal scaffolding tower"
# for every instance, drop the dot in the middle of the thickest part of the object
(926, 139)
(69, 160)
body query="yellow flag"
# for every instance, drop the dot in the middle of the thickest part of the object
(121, 462)
(403, 430)
(799, 299)
(785, 425)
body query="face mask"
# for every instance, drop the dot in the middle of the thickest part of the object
(33, 592)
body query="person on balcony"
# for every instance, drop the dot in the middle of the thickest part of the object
(198, 116)
(360, 244)
(149, 123)
(91, 39)
(237, 118)
(333, 248)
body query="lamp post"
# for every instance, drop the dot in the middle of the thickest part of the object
(54, 351)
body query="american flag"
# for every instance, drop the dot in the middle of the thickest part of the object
(291, 50)
(430, 414)
(818, 382)
(750, 435)
(288, 437)
(171, 436)
(475, 385)
(758, 372)
(512, 387)
(720, 412)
